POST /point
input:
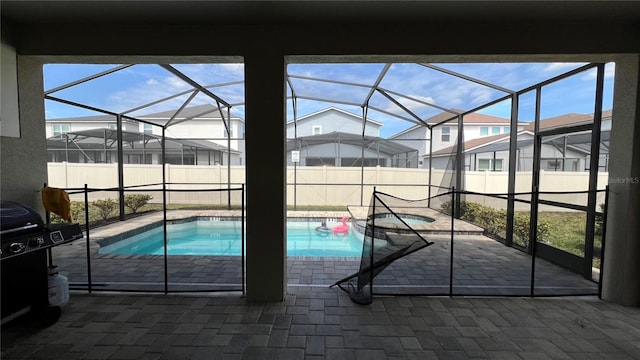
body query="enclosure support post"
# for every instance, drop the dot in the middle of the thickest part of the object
(230, 125)
(66, 147)
(453, 211)
(144, 153)
(295, 163)
(120, 167)
(364, 126)
(164, 214)
(593, 174)
(535, 178)
(430, 165)
(533, 236)
(511, 186)
(242, 241)
(87, 237)
(459, 166)
(104, 138)
(373, 240)
(603, 236)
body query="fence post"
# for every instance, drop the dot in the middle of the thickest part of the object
(66, 175)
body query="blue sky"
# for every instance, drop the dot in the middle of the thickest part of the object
(142, 84)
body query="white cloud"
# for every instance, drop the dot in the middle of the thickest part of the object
(176, 82)
(236, 68)
(609, 72)
(557, 66)
(152, 82)
(413, 106)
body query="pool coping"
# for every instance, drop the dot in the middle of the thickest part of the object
(440, 225)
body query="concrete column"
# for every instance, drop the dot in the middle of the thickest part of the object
(266, 177)
(621, 274)
(23, 169)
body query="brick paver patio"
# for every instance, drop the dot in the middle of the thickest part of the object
(315, 321)
(321, 323)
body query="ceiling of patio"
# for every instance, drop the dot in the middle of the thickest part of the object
(234, 11)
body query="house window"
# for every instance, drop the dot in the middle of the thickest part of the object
(229, 133)
(446, 134)
(113, 127)
(320, 161)
(506, 129)
(147, 129)
(487, 164)
(484, 131)
(554, 165)
(317, 130)
(495, 130)
(59, 129)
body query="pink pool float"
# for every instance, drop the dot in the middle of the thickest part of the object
(342, 228)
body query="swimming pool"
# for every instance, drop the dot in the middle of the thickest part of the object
(223, 238)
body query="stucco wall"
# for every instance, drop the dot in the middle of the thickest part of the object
(24, 159)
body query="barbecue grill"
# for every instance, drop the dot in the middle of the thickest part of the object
(25, 240)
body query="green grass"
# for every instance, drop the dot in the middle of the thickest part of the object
(567, 230)
(568, 233)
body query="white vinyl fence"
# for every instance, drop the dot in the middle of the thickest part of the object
(314, 185)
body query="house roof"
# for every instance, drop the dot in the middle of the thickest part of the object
(97, 138)
(472, 118)
(483, 144)
(567, 119)
(331, 108)
(562, 120)
(94, 118)
(205, 111)
(383, 145)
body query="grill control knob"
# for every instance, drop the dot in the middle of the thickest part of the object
(36, 242)
(16, 247)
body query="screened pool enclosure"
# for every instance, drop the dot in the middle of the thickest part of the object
(423, 150)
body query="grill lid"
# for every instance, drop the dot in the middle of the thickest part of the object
(16, 218)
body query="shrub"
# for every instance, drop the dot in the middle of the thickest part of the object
(77, 214)
(494, 221)
(105, 207)
(599, 218)
(136, 201)
(521, 223)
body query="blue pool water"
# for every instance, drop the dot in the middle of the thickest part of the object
(223, 238)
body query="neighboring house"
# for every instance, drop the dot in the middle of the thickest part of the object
(55, 127)
(203, 122)
(445, 135)
(331, 120)
(564, 152)
(196, 135)
(333, 137)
